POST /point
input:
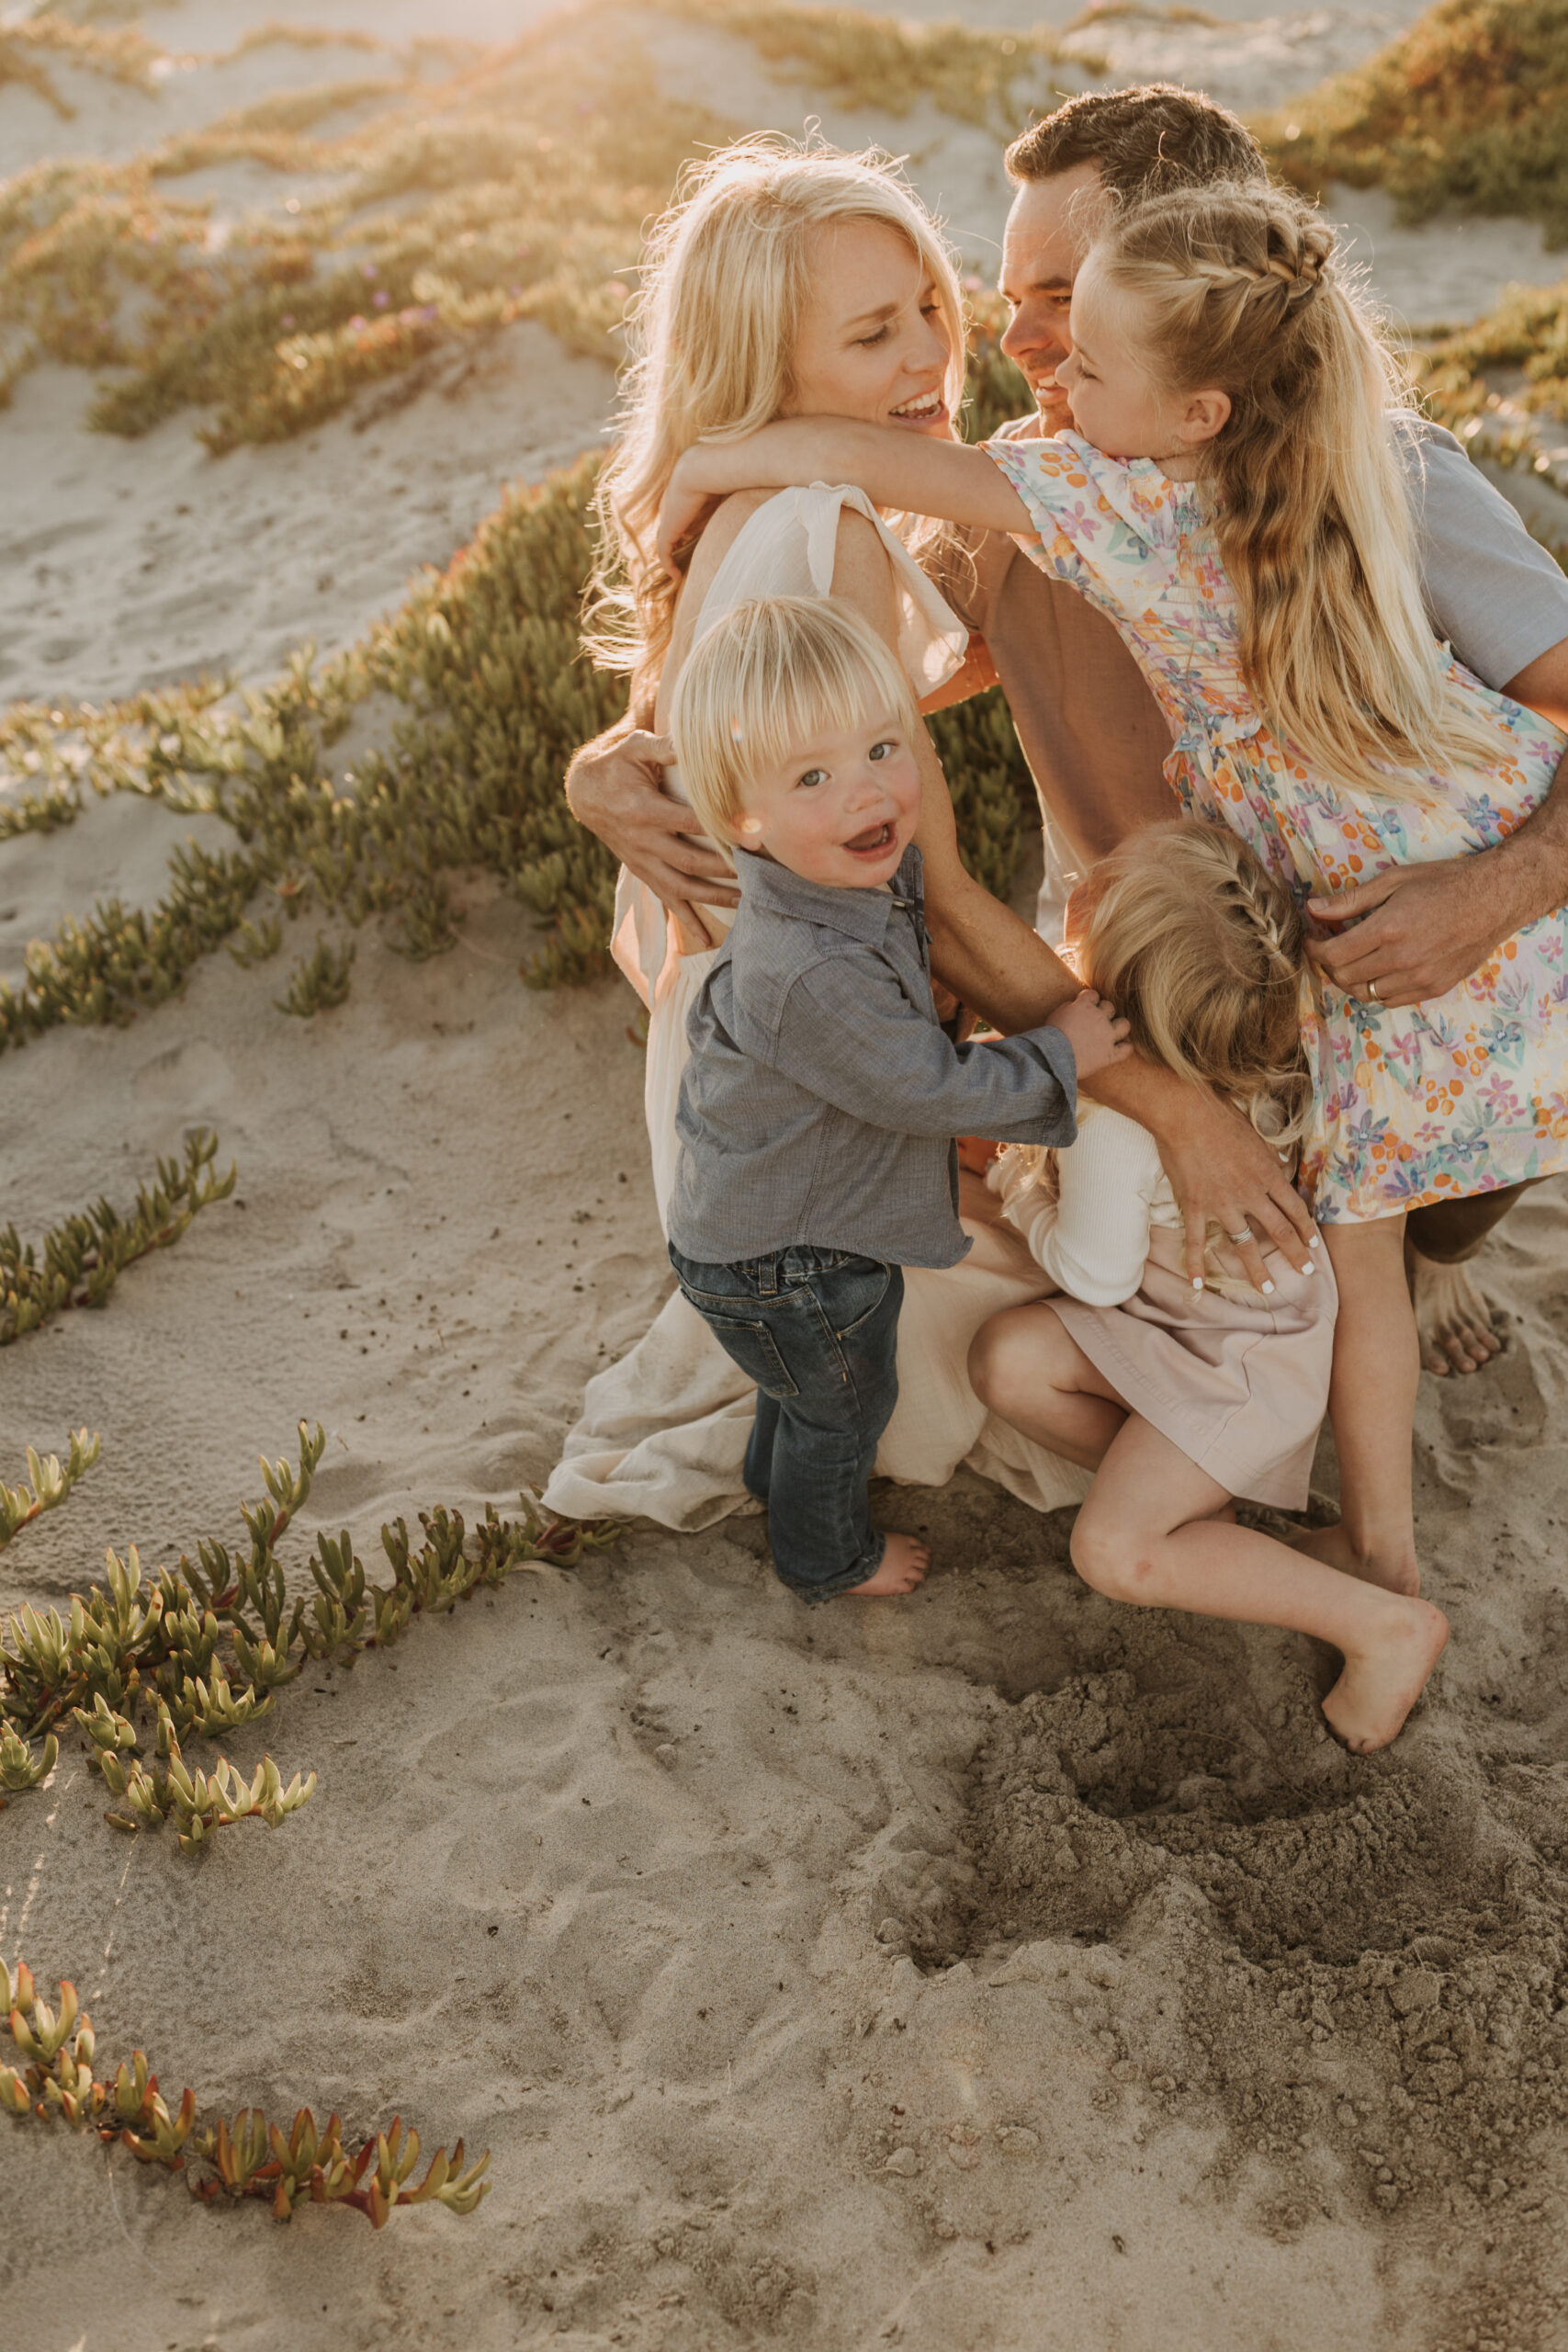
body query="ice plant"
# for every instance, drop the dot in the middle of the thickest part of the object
(201, 1650)
(250, 2158)
(79, 1262)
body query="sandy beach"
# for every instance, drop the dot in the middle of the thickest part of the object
(998, 1970)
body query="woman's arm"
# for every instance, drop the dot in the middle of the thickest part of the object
(901, 470)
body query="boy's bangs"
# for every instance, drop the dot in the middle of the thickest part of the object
(836, 694)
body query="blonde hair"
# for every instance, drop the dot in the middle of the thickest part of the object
(1243, 291)
(1202, 949)
(713, 331)
(760, 682)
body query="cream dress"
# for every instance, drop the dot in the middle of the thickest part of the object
(663, 1432)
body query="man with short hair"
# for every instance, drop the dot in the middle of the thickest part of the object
(1088, 726)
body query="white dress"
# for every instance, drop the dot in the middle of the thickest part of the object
(663, 1432)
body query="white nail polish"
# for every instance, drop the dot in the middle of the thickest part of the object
(1316, 1241)
(1309, 1268)
(1196, 1282)
(1267, 1290)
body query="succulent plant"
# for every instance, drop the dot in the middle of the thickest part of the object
(51, 1484)
(318, 981)
(250, 2158)
(205, 1647)
(81, 1260)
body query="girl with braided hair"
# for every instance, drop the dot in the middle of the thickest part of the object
(1181, 1400)
(1231, 498)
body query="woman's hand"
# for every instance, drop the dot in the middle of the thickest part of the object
(1090, 1026)
(1221, 1170)
(689, 500)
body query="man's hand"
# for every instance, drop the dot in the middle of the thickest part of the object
(1425, 928)
(615, 786)
(1090, 1026)
(1219, 1166)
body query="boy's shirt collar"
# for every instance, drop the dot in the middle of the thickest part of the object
(863, 915)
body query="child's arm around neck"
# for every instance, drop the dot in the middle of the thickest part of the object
(903, 471)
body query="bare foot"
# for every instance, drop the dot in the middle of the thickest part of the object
(1453, 1317)
(1369, 1703)
(1333, 1546)
(904, 1565)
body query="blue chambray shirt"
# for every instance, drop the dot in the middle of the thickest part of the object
(822, 1096)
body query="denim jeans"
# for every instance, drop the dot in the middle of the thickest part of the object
(817, 1330)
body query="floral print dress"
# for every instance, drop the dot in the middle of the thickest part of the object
(1461, 1094)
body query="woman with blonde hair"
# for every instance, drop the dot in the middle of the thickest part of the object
(1231, 498)
(788, 280)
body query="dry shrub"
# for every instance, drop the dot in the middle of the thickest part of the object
(1468, 108)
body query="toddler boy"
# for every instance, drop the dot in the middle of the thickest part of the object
(818, 1108)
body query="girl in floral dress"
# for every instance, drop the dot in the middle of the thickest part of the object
(1231, 498)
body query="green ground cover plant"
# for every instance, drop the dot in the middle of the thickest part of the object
(204, 1649)
(79, 1260)
(1468, 108)
(458, 197)
(54, 2082)
(49, 1484)
(976, 76)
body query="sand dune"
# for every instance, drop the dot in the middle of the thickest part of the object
(1002, 1971)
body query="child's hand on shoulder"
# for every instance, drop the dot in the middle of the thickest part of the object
(1090, 1026)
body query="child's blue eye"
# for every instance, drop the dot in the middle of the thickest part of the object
(882, 751)
(812, 776)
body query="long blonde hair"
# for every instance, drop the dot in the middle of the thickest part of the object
(713, 331)
(758, 683)
(1242, 290)
(1202, 949)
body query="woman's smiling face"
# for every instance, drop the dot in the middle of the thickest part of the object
(873, 342)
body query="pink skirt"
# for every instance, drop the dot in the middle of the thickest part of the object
(1239, 1384)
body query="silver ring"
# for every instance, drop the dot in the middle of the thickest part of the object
(1245, 1235)
(1372, 991)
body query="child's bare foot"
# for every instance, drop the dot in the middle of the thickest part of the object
(1453, 1319)
(904, 1565)
(1369, 1703)
(1397, 1573)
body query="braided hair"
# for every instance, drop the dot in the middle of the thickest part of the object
(1202, 949)
(1241, 288)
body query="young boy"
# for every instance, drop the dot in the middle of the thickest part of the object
(819, 1106)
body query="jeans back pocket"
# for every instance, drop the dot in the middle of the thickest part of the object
(746, 1340)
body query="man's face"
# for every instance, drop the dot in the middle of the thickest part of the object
(1048, 232)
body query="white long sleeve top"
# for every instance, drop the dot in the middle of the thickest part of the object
(1093, 1240)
